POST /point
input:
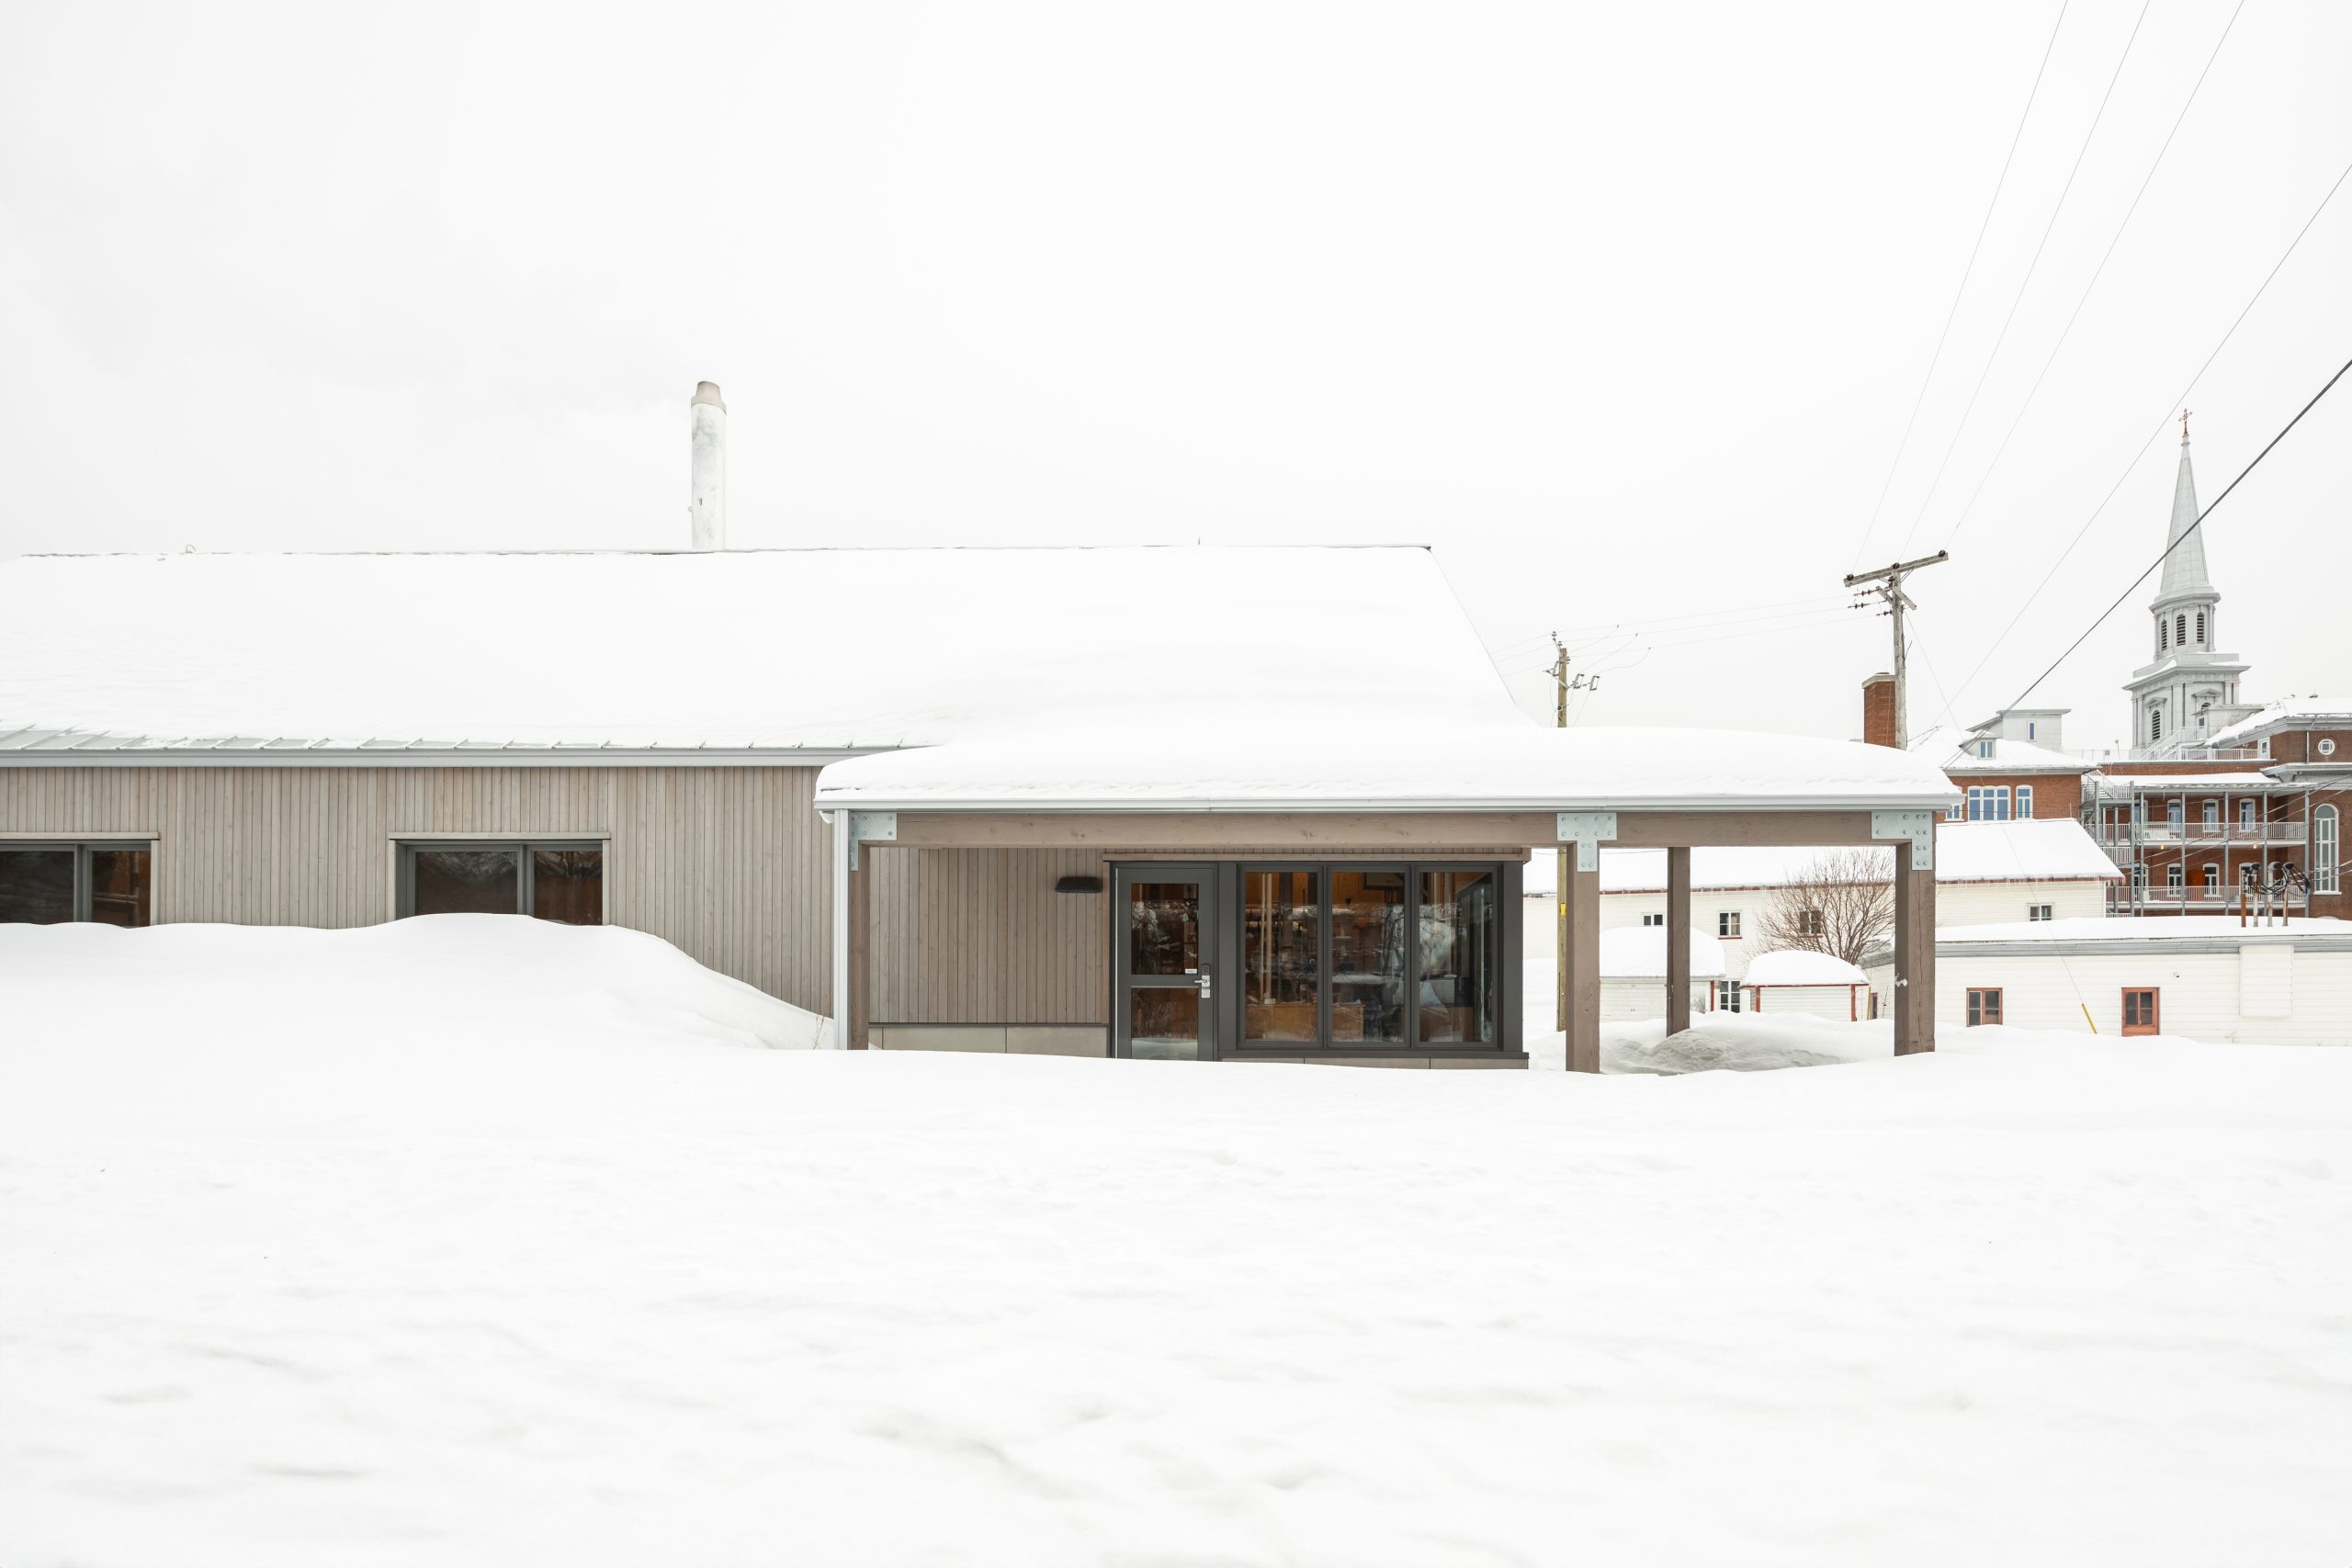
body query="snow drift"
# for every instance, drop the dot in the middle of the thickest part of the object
(425, 1246)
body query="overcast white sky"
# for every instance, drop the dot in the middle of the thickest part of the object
(1622, 309)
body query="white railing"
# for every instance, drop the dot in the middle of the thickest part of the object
(2201, 900)
(2119, 835)
(2169, 755)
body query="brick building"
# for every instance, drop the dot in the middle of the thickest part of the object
(2214, 798)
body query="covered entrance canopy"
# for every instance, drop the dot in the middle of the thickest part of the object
(1297, 837)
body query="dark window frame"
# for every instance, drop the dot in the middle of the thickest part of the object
(404, 875)
(1226, 883)
(84, 890)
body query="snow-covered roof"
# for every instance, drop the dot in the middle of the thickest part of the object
(1796, 966)
(1406, 762)
(1959, 752)
(1638, 952)
(841, 650)
(2295, 710)
(2050, 849)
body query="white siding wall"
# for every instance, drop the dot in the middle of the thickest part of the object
(1837, 1003)
(1622, 1000)
(1627, 910)
(2202, 994)
(1997, 903)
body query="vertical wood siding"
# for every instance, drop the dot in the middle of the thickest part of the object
(732, 866)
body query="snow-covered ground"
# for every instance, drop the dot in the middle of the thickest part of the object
(343, 1248)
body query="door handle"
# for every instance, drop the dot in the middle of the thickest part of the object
(1206, 989)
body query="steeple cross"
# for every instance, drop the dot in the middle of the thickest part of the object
(2184, 427)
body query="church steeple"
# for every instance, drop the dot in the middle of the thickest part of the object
(2184, 575)
(2190, 689)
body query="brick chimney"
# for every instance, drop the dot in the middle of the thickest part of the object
(1878, 710)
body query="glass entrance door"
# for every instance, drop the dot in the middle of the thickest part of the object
(1165, 960)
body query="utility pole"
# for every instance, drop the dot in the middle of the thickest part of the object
(1887, 583)
(1559, 856)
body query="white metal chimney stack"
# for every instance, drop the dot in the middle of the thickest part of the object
(707, 507)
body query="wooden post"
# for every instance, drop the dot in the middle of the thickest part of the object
(859, 1009)
(1677, 939)
(1581, 904)
(1915, 956)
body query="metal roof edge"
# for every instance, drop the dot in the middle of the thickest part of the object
(153, 756)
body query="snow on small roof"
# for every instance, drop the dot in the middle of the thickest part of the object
(1958, 752)
(2050, 849)
(1796, 966)
(1406, 762)
(2139, 929)
(2294, 710)
(1638, 952)
(839, 650)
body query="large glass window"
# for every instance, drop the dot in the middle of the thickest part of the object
(560, 882)
(2325, 834)
(49, 884)
(1368, 956)
(1461, 957)
(1282, 956)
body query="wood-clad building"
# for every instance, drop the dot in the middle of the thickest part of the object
(1216, 803)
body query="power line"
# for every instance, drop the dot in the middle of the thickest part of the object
(2185, 533)
(1965, 274)
(1999, 451)
(2027, 282)
(2163, 422)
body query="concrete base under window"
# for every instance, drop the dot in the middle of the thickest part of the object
(1028, 1039)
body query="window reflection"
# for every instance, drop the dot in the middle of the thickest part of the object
(468, 882)
(1164, 1022)
(118, 894)
(36, 886)
(1461, 956)
(568, 886)
(1368, 956)
(1280, 941)
(1164, 928)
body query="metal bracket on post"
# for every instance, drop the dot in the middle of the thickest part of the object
(1588, 831)
(871, 826)
(1919, 827)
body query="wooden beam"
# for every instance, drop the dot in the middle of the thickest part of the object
(1580, 906)
(1678, 938)
(1404, 833)
(1915, 956)
(859, 1008)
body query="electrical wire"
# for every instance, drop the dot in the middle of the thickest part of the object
(1958, 294)
(2133, 586)
(2002, 449)
(2027, 281)
(2163, 422)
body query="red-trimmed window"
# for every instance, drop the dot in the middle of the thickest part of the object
(1983, 1006)
(2140, 1011)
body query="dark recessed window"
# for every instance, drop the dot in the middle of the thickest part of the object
(49, 884)
(559, 882)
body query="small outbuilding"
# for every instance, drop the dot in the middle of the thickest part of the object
(1794, 980)
(1633, 970)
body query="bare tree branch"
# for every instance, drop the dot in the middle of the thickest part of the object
(1842, 903)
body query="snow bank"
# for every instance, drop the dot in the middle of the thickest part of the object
(641, 1295)
(372, 1021)
(1741, 1043)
